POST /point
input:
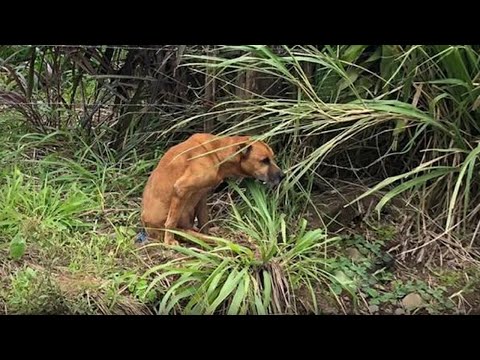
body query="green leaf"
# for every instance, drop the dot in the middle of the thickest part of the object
(239, 296)
(267, 289)
(375, 301)
(372, 292)
(353, 52)
(351, 77)
(344, 281)
(471, 158)
(336, 288)
(230, 284)
(420, 180)
(17, 247)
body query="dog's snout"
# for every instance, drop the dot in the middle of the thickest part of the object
(277, 177)
(279, 174)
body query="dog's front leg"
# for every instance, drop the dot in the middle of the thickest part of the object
(182, 190)
(176, 208)
(193, 180)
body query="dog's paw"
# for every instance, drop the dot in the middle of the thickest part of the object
(170, 240)
(172, 243)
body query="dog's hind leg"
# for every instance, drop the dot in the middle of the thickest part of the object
(201, 211)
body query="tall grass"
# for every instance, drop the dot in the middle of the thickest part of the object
(67, 224)
(256, 275)
(406, 116)
(417, 104)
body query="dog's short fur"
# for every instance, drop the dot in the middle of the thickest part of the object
(176, 192)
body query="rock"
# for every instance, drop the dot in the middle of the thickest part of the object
(399, 311)
(214, 229)
(353, 254)
(373, 309)
(412, 301)
(388, 310)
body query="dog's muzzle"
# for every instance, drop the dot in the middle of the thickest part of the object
(272, 179)
(276, 178)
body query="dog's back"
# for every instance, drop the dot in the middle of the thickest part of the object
(173, 164)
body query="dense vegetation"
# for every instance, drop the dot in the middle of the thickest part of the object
(379, 211)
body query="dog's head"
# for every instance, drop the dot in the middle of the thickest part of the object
(257, 160)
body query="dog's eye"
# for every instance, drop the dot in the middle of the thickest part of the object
(265, 161)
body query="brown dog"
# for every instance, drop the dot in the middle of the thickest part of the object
(177, 190)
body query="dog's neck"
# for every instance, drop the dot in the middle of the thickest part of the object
(228, 170)
(230, 158)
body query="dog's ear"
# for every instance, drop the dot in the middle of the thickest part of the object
(245, 150)
(243, 146)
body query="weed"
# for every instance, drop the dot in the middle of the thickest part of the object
(255, 277)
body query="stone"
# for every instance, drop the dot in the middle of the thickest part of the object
(412, 301)
(353, 254)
